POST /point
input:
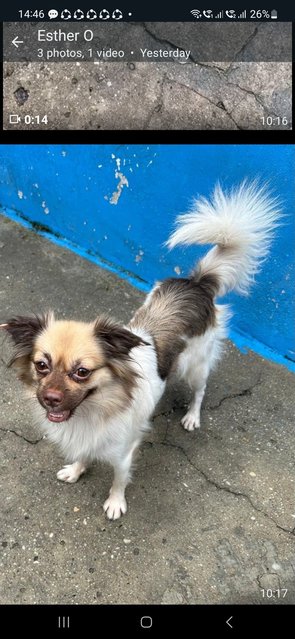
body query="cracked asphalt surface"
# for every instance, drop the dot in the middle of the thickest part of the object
(211, 516)
(238, 92)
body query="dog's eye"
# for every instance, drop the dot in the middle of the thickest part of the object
(81, 373)
(41, 367)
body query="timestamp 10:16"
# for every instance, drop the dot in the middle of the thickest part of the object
(271, 120)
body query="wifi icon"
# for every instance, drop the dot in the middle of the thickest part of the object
(196, 13)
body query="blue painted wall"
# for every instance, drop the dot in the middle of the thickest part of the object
(119, 204)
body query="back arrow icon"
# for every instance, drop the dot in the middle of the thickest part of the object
(16, 42)
(228, 620)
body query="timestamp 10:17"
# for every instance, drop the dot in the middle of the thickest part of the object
(271, 593)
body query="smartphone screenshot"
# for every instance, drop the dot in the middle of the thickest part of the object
(147, 350)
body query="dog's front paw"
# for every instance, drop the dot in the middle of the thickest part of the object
(190, 421)
(115, 506)
(71, 473)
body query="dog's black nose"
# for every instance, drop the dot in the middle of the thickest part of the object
(53, 397)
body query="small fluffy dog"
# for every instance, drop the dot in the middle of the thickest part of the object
(96, 384)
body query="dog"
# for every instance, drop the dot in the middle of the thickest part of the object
(95, 385)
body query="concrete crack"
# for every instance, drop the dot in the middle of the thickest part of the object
(255, 96)
(30, 441)
(217, 105)
(164, 40)
(244, 393)
(243, 47)
(164, 413)
(211, 67)
(159, 104)
(267, 574)
(194, 60)
(228, 489)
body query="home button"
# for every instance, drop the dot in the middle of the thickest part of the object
(146, 622)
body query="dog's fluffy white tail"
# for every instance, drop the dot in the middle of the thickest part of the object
(240, 223)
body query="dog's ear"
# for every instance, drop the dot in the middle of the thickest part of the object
(23, 332)
(116, 340)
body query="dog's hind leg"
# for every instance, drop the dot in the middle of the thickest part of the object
(191, 419)
(194, 366)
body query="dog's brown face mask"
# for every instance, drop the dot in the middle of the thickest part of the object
(66, 362)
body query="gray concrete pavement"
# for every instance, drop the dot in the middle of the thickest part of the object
(211, 514)
(149, 95)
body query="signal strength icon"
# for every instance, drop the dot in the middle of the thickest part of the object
(219, 16)
(243, 15)
(196, 13)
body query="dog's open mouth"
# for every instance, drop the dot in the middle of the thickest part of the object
(62, 416)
